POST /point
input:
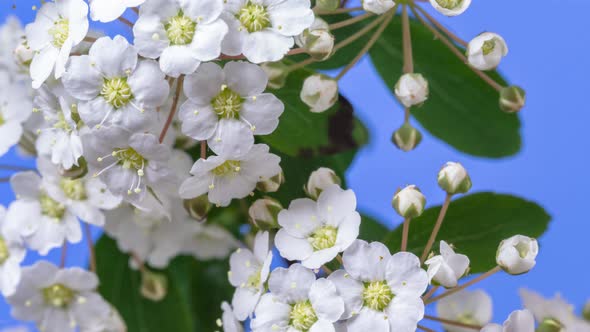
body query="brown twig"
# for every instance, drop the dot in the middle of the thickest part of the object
(424, 328)
(64, 254)
(125, 21)
(203, 149)
(454, 322)
(405, 233)
(407, 42)
(350, 21)
(467, 284)
(442, 27)
(431, 292)
(173, 108)
(337, 11)
(90, 247)
(439, 221)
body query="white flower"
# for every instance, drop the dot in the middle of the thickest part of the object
(378, 6)
(14, 55)
(15, 109)
(317, 40)
(112, 323)
(319, 180)
(181, 33)
(43, 222)
(516, 255)
(450, 7)
(298, 302)
(110, 10)
(453, 178)
(485, 51)
(226, 178)
(248, 273)
(412, 89)
(446, 268)
(85, 197)
(228, 320)
(263, 30)
(57, 300)
(114, 87)
(12, 253)
(315, 232)
(381, 292)
(210, 242)
(468, 307)
(555, 311)
(58, 27)
(409, 202)
(518, 321)
(227, 106)
(319, 92)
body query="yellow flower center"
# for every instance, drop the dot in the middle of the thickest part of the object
(58, 295)
(323, 237)
(230, 167)
(254, 17)
(4, 252)
(227, 104)
(129, 158)
(449, 4)
(116, 91)
(60, 32)
(488, 46)
(73, 189)
(377, 295)
(302, 316)
(180, 29)
(51, 207)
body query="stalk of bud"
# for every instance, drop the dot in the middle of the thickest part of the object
(264, 213)
(516, 255)
(406, 138)
(409, 202)
(453, 179)
(319, 180)
(319, 92)
(512, 99)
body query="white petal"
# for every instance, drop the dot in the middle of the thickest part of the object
(290, 18)
(366, 262)
(404, 313)
(42, 65)
(246, 79)
(263, 113)
(148, 85)
(292, 248)
(325, 300)
(369, 320)
(334, 204)
(244, 302)
(231, 138)
(266, 46)
(150, 35)
(206, 44)
(198, 121)
(405, 276)
(203, 11)
(113, 57)
(301, 218)
(350, 290)
(177, 60)
(82, 80)
(292, 284)
(202, 86)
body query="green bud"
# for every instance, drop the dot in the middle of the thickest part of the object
(409, 202)
(154, 286)
(454, 179)
(75, 172)
(406, 138)
(264, 213)
(586, 311)
(277, 73)
(198, 208)
(327, 5)
(549, 325)
(512, 99)
(271, 185)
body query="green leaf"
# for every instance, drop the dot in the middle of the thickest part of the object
(371, 229)
(462, 109)
(475, 224)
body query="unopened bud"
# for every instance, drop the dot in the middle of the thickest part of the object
(453, 178)
(586, 311)
(272, 184)
(412, 89)
(549, 325)
(75, 172)
(319, 92)
(450, 7)
(485, 51)
(409, 202)
(317, 40)
(198, 208)
(154, 286)
(512, 99)
(377, 6)
(277, 73)
(319, 180)
(23, 55)
(327, 5)
(406, 138)
(264, 213)
(516, 255)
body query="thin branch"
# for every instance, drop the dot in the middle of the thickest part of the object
(407, 42)
(430, 293)
(442, 27)
(454, 322)
(467, 284)
(359, 33)
(406, 232)
(406, 114)
(64, 254)
(203, 149)
(337, 11)
(350, 21)
(439, 221)
(172, 109)
(89, 39)
(135, 10)
(90, 247)
(424, 328)
(15, 168)
(138, 261)
(125, 21)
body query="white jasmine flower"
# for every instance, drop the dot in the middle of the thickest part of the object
(248, 273)
(85, 197)
(15, 109)
(409, 202)
(468, 307)
(450, 7)
(110, 10)
(485, 51)
(453, 178)
(447, 268)
(226, 178)
(553, 312)
(315, 232)
(381, 292)
(226, 106)
(319, 180)
(228, 320)
(298, 302)
(57, 300)
(319, 92)
(181, 33)
(43, 222)
(114, 87)
(412, 89)
(518, 321)
(378, 6)
(263, 30)
(58, 27)
(210, 242)
(516, 255)
(12, 253)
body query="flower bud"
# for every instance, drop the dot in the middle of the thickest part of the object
(516, 255)
(549, 325)
(586, 311)
(272, 184)
(319, 180)
(453, 178)
(277, 73)
(198, 208)
(264, 213)
(23, 54)
(377, 6)
(485, 51)
(512, 99)
(406, 138)
(327, 5)
(411, 89)
(75, 172)
(409, 202)
(450, 7)
(319, 43)
(319, 92)
(154, 286)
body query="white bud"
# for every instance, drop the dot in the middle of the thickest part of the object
(453, 178)
(517, 254)
(406, 138)
(319, 92)
(411, 89)
(447, 268)
(23, 54)
(277, 73)
(409, 202)
(317, 40)
(512, 99)
(319, 180)
(485, 51)
(377, 6)
(450, 7)
(272, 184)
(264, 213)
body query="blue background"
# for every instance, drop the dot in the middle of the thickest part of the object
(549, 48)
